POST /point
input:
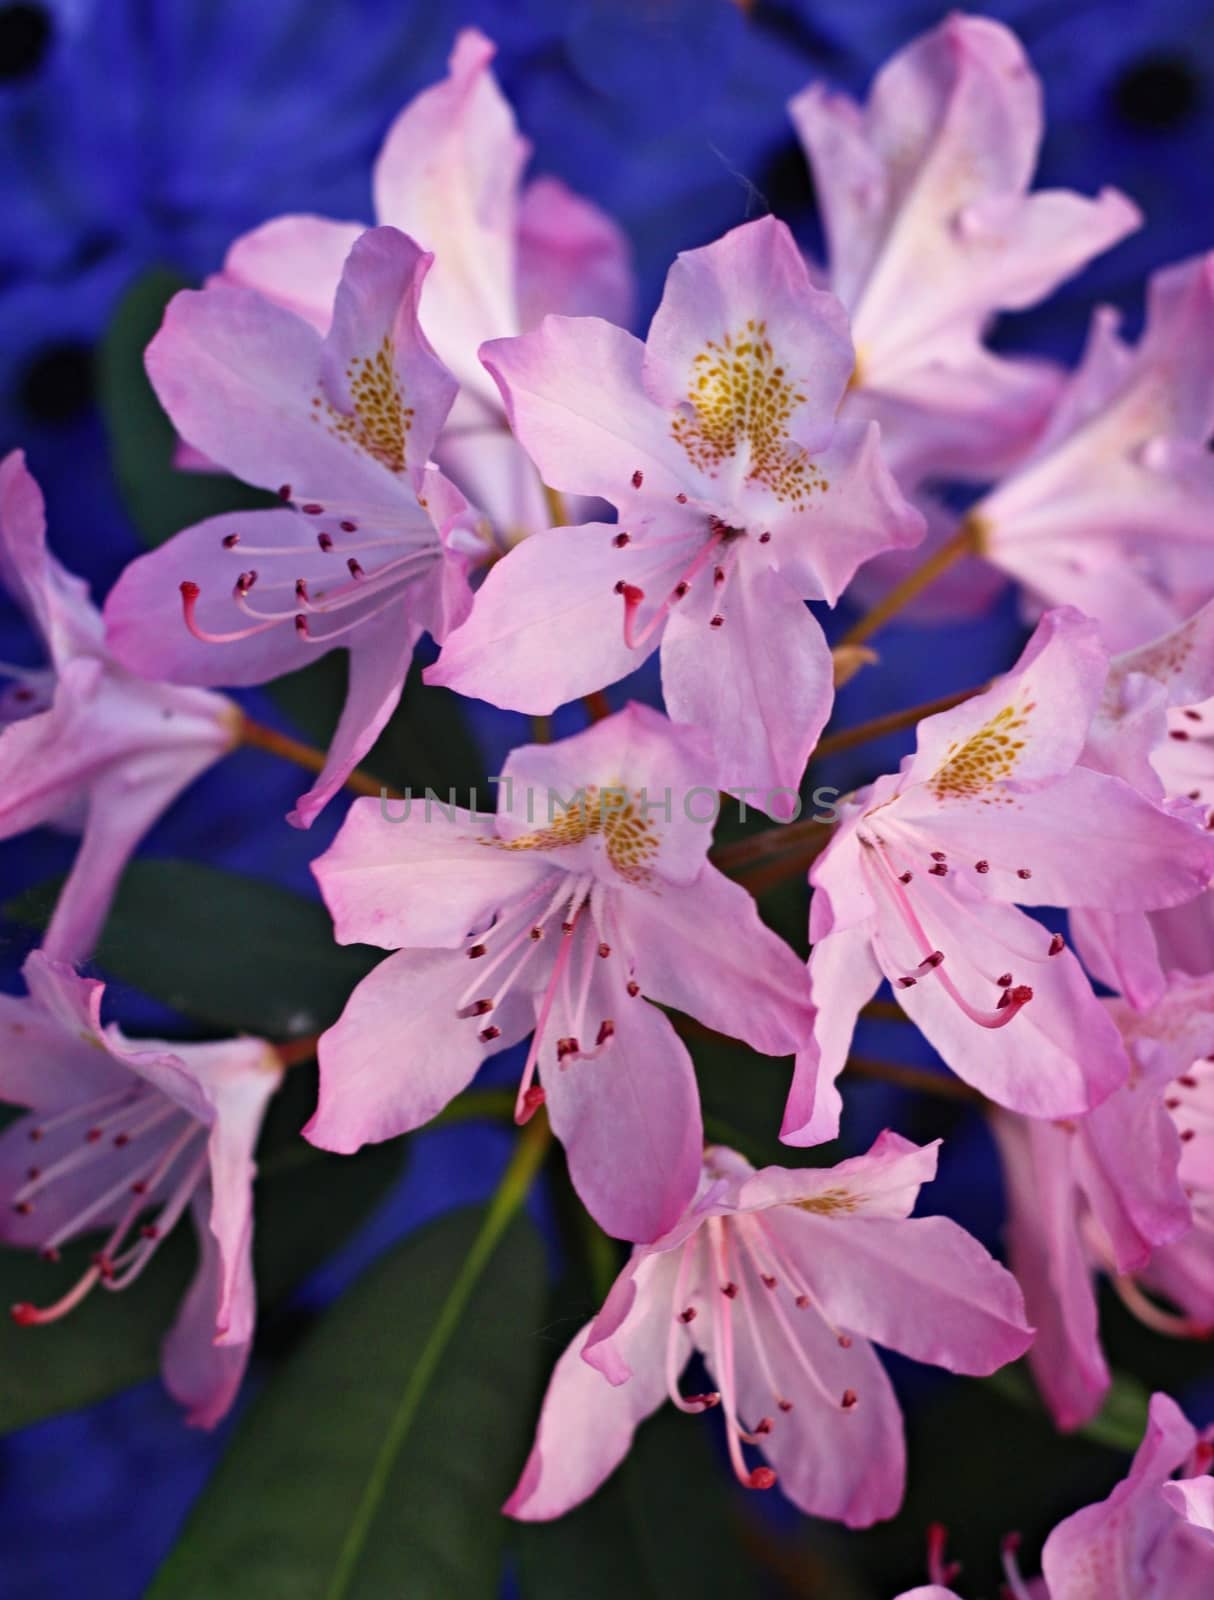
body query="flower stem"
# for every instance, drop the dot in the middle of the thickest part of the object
(309, 757)
(877, 727)
(507, 1201)
(963, 543)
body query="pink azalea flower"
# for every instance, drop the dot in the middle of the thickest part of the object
(780, 1279)
(1112, 510)
(119, 1130)
(1152, 1539)
(922, 883)
(1155, 728)
(371, 555)
(449, 175)
(83, 744)
(931, 229)
(739, 497)
(1127, 1190)
(584, 898)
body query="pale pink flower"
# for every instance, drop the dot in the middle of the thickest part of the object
(922, 884)
(1113, 508)
(1155, 728)
(739, 495)
(587, 896)
(932, 230)
(780, 1279)
(1127, 1190)
(374, 551)
(124, 1136)
(450, 176)
(84, 745)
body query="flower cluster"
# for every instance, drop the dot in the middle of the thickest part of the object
(468, 443)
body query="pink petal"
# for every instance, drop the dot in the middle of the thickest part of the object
(547, 624)
(448, 174)
(1059, 1056)
(752, 282)
(919, 1285)
(703, 949)
(400, 1051)
(572, 258)
(630, 1122)
(1110, 1549)
(844, 976)
(56, 602)
(200, 1374)
(1051, 1264)
(884, 1182)
(573, 391)
(296, 261)
(762, 683)
(1052, 693)
(426, 878)
(1193, 1499)
(1119, 950)
(635, 759)
(586, 1423)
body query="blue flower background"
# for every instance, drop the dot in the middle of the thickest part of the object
(141, 133)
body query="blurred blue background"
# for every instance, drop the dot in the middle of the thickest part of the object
(150, 132)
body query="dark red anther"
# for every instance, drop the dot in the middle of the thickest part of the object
(1177, 733)
(139, 1186)
(532, 1101)
(285, 492)
(568, 1046)
(312, 509)
(982, 866)
(784, 1405)
(1188, 1080)
(1004, 980)
(567, 927)
(35, 1135)
(1023, 872)
(50, 1254)
(121, 1140)
(844, 1341)
(730, 1291)
(604, 951)
(301, 625)
(634, 988)
(761, 1478)
(932, 961)
(905, 877)
(767, 1280)
(246, 581)
(718, 576)
(681, 498)
(1057, 945)
(689, 1315)
(621, 540)
(938, 870)
(92, 1136)
(1193, 716)
(23, 1208)
(704, 1401)
(480, 1008)
(489, 1034)
(32, 1174)
(638, 478)
(230, 541)
(1022, 994)
(150, 1231)
(849, 1399)
(325, 541)
(354, 568)
(1172, 1103)
(906, 983)
(763, 1427)
(802, 1302)
(680, 589)
(632, 595)
(765, 538)
(939, 855)
(606, 1031)
(475, 951)
(716, 622)
(301, 590)
(24, 1314)
(1186, 1137)
(348, 527)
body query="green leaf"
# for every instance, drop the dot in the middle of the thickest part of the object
(170, 934)
(306, 1203)
(426, 745)
(665, 1524)
(160, 499)
(420, 1383)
